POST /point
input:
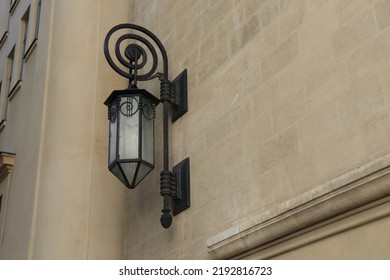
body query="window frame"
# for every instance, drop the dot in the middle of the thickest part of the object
(13, 4)
(3, 107)
(25, 28)
(13, 71)
(4, 24)
(10, 68)
(32, 23)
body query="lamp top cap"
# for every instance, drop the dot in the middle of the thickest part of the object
(129, 92)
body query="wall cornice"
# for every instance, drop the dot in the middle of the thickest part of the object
(360, 187)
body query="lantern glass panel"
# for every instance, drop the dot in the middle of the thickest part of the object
(129, 168)
(118, 173)
(129, 127)
(147, 131)
(113, 133)
(142, 172)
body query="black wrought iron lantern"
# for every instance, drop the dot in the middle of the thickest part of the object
(131, 114)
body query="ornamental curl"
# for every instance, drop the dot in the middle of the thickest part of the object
(134, 56)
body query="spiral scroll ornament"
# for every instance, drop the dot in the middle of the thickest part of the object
(132, 52)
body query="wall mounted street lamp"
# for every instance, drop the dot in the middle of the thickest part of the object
(131, 114)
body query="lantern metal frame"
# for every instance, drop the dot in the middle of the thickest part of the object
(175, 184)
(117, 164)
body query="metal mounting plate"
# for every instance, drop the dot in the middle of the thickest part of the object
(181, 97)
(182, 200)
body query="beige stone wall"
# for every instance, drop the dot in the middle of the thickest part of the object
(63, 203)
(283, 96)
(77, 202)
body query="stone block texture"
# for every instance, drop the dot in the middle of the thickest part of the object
(283, 96)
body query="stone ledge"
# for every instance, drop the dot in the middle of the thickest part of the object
(350, 220)
(359, 187)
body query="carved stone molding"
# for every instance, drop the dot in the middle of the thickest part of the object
(332, 200)
(7, 161)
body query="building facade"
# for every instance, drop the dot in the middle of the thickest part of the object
(51, 207)
(287, 131)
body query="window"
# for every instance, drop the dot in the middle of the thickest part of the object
(38, 17)
(10, 68)
(13, 4)
(30, 25)
(13, 70)
(4, 21)
(3, 107)
(1, 215)
(23, 40)
(3, 190)
(1, 200)
(25, 28)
